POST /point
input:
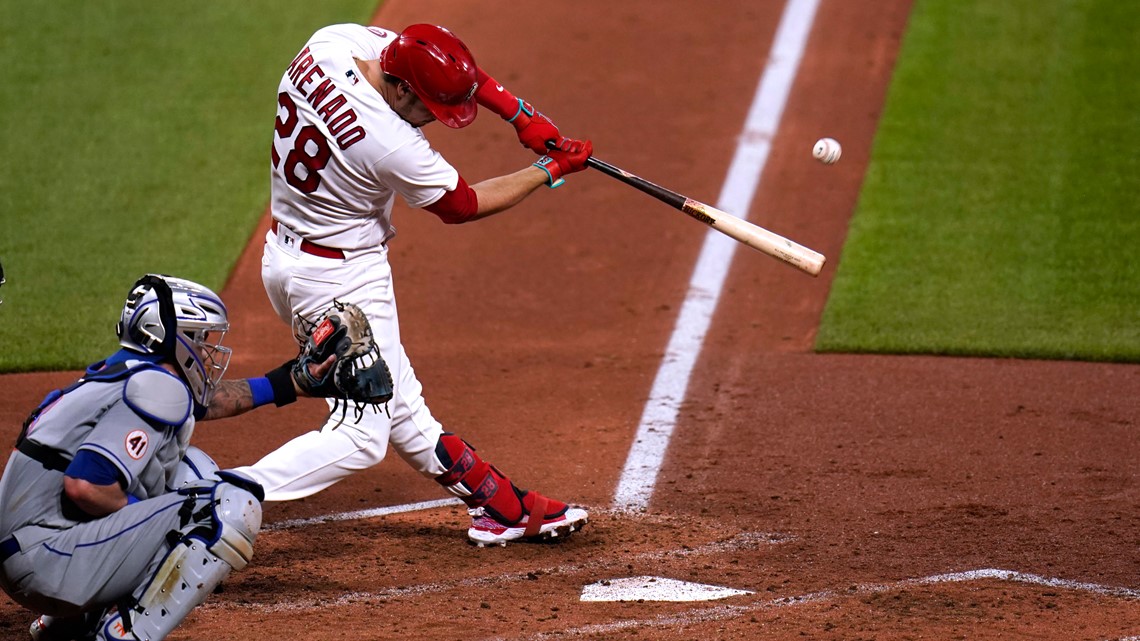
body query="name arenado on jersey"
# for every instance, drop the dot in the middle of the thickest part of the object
(330, 104)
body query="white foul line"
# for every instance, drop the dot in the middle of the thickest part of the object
(635, 487)
(363, 514)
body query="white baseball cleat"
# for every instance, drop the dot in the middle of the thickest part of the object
(486, 530)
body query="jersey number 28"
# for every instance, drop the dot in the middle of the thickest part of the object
(310, 149)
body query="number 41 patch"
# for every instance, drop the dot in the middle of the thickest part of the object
(137, 442)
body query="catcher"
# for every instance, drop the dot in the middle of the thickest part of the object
(114, 526)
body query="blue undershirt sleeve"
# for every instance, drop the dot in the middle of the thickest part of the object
(95, 469)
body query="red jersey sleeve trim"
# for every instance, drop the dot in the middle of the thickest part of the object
(456, 206)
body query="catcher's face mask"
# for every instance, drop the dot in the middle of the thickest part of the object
(203, 360)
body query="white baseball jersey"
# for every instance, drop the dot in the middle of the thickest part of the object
(340, 153)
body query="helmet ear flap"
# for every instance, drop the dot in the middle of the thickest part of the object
(165, 312)
(166, 315)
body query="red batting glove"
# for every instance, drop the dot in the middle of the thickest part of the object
(567, 157)
(534, 128)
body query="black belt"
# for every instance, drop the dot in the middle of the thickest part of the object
(50, 458)
(8, 547)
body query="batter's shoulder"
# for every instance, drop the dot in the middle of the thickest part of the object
(157, 395)
(363, 42)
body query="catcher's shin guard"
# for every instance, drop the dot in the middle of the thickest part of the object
(221, 522)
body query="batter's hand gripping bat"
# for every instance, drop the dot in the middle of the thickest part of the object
(754, 236)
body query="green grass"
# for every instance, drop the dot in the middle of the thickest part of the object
(1000, 215)
(134, 137)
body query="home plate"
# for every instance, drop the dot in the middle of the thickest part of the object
(655, 588)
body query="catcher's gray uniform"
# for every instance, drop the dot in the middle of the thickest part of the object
(59, 561)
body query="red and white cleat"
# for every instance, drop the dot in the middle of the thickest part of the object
(487, 530)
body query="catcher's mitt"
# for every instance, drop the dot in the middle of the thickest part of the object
(359, 375)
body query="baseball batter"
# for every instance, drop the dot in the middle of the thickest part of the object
(114, 526)
(346, 143)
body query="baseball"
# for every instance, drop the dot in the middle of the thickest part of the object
(827, 150)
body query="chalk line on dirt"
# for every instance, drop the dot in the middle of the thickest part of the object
(639, 476)
(363, 514)
(727, 612)
(741, 541)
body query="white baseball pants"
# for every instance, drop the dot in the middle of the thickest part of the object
(301, 283)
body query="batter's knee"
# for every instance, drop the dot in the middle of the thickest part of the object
(369, 435)
(370, 455)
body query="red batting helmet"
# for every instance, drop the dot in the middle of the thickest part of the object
(439, 68)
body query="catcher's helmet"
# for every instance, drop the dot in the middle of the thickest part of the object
(440, 70)
(183, 322)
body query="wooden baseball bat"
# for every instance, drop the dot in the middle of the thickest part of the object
(754, 236)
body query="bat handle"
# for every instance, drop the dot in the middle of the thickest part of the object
(590, 162)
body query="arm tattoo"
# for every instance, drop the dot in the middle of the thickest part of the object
(230, 399)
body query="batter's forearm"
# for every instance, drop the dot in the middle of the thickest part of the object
(501, 193)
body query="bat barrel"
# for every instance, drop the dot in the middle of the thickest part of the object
(807, 260)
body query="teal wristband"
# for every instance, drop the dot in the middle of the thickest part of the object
(522, 109)
(549, 176)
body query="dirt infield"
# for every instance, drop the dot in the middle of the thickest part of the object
(852, 497)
